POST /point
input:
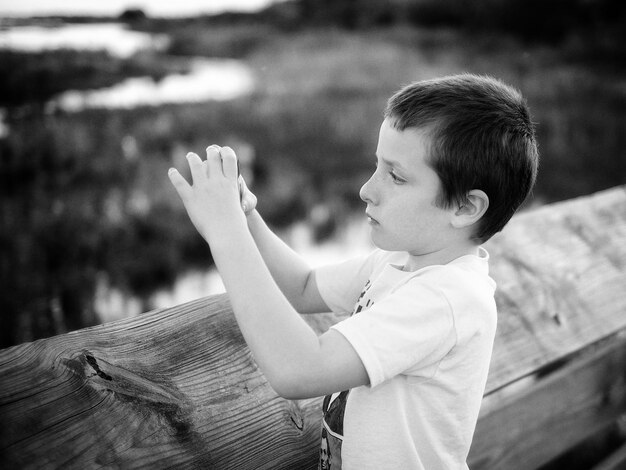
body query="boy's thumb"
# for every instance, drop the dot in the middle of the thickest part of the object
(178, 181)
(248, 199)
(248, 202)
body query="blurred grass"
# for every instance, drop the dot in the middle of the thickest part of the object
(580, 109)
(86, 194)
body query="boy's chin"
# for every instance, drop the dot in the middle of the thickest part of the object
(382, 244)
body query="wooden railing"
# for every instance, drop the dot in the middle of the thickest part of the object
(178, 388)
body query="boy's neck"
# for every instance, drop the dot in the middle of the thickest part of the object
(441, 257)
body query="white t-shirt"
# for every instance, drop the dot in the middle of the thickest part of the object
(425, 339)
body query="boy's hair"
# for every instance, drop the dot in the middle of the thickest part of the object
(482, 138)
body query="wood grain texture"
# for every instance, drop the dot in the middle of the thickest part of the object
(173, 388)
(615, 461)
(529, 428)
(561, 274)
(179, 388)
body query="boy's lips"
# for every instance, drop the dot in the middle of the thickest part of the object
(371, 219)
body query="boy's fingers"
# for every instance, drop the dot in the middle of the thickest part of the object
(179, 182)
(213, 146)
(229, 162)
(196, 166)
(213, 160)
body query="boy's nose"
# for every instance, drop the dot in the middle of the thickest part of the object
(367, 192)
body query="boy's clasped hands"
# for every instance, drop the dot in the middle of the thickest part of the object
(218, 196)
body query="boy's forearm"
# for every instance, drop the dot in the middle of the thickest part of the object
(294, 360)
(289, 270)
(282, 343)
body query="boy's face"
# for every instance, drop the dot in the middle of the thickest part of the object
(401, 195)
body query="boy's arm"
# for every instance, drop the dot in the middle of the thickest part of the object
(295, 361)
(293, 275)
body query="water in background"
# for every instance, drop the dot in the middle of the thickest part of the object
(214, 79)
(349, 241)
(208, 79)
(114, 38)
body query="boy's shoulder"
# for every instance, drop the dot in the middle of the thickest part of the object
(464, 283)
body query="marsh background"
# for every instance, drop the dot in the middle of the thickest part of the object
(90, 228)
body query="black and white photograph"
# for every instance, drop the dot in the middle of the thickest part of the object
(313, 234)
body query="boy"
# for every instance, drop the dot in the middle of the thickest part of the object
(404, 375)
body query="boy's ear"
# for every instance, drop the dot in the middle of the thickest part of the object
(473, 208)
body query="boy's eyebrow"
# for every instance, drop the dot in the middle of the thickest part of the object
(393, 164)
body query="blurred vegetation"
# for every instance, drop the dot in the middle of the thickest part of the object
(84, 196)
(34, 78)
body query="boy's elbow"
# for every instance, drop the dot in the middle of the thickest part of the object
(290, 387)
(288, 393)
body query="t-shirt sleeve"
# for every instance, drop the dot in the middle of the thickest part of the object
(409, 331)
(341, 284)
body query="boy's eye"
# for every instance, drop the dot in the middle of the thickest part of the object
(396, 179)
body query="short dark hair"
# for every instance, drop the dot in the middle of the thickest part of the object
(482, 138)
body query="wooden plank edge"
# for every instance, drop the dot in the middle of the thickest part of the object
(615, 461)
(556, 412)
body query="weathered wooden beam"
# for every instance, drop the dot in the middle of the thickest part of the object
(561, 274)
(615, 461)
(178, 387)
(528, 428)
(172, 388)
